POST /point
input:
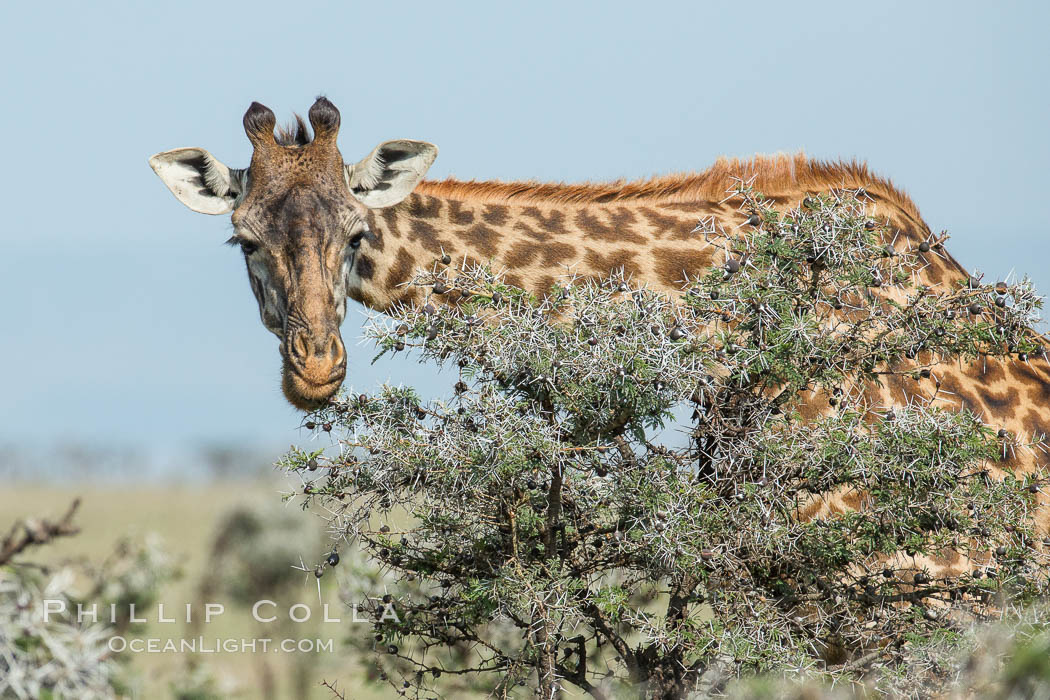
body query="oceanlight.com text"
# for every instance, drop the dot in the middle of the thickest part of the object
(204, 645)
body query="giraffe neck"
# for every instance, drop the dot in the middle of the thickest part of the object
(532, 243)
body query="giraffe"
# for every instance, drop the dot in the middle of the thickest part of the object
(314, 231)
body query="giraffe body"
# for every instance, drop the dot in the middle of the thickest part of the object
(537, 233)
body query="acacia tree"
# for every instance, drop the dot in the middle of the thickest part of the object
(558, 520)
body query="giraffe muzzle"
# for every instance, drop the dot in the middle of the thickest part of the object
(314, 367)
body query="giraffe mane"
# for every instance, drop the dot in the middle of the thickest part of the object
(772, 175)
(295, 133)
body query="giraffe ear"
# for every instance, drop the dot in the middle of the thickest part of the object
(199, 180)
(390, 172)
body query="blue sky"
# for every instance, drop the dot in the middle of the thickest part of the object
(129, 323)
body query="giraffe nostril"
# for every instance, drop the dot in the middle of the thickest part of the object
(335, 350)
(301, 346)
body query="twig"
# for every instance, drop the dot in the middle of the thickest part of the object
(29, 532)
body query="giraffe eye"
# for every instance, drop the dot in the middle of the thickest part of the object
(248, 247)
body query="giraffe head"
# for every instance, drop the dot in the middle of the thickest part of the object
(299, 216)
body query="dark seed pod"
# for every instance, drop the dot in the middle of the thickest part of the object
(1022, 356)
(592, 341)
(869, 225)
(385, 528)
(440, 287)
(973, 283)
(975, 309)
(1033, 488)
(1000, 551)
(754, 220)
(446, 259)
(432, 332)
(319, 572)
(1003, 433)
(676, 333)
(1000, 288)
(460, 387)
(392, 649)
(836, 304)
(327, 427)
(362, 399)
(333, 559)
(312, 464)
(399, 346)
(732, 265)
(924, 247)
(809, 203)
(497, 297)
(1000, 302)
(388, 598)
(921, 578)
(713, 294)
(310, 425)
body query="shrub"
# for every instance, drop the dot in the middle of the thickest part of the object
(612, 494)
(60, 657)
